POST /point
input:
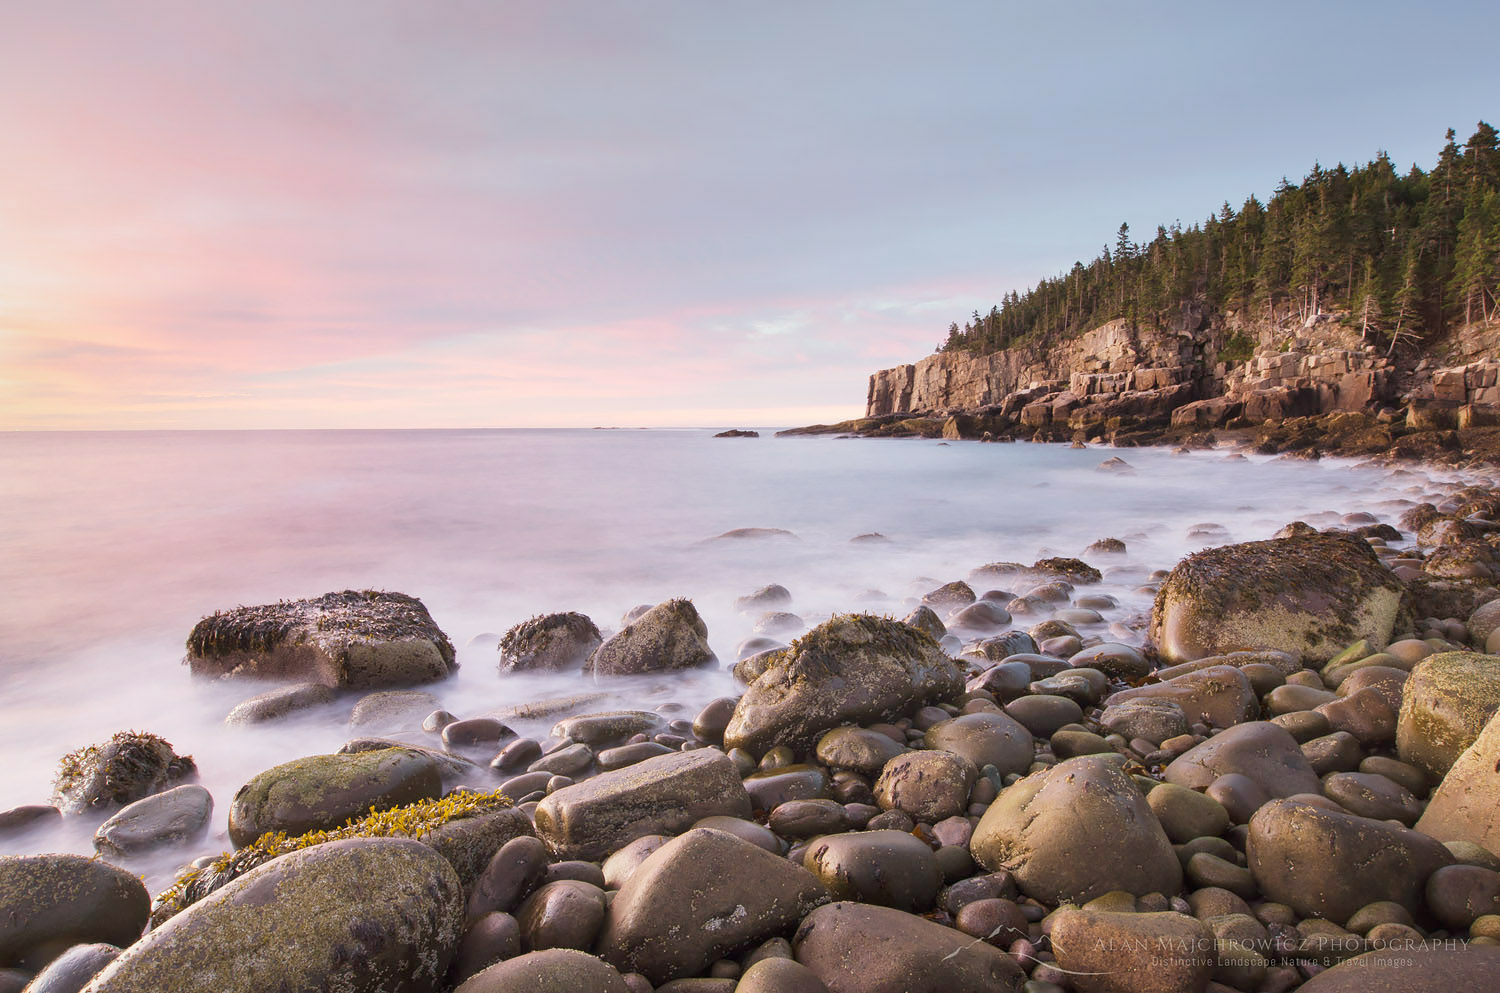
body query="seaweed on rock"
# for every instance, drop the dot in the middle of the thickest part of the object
(128, 767)
(369, 615)
(415, 821)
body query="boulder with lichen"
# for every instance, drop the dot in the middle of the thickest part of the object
(668, 637)
(1308, 594)
(465, 827)
(852, 669)
(359, 915)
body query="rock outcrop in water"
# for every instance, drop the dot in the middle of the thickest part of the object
(128, 767)
(357, 639)
(667, 637)
(550, 642)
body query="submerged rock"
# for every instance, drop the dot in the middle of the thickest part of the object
(852, 669)
(365, 915)
(1309, 595)
(324, 791)
(549, 642)
(177, 815)
(354, 638)
(279, 702)
(608, 726)
(128, 767)
(53, 902)
(389, 711)
(667, 637)
(752, 534)
(771, 597)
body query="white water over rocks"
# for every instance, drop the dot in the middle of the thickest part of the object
(113, 545)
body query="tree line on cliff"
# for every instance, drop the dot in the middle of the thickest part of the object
(1404, 256)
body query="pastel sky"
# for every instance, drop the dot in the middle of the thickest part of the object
(350, 213)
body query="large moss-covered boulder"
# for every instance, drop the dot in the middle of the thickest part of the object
(324, 791)
(1077, 831)
(701, 897)
(857, 948)
(551, 642)
(852, 669)
(1309, 594)
(128, 767)
(1330, 863)
(365, 915)
(1444, 705)
(357, 638)
(1466, 805)
(667, 637)
(49, 903)
(662, 795)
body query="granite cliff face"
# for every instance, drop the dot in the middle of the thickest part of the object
(1197, 375)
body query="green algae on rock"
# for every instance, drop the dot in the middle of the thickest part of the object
(1309, 594)
(359, 915)
(466, 827)
(852, 669)
(357, 638)
(324, 791)
(128, 767)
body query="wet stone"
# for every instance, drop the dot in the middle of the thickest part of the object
(889, 868)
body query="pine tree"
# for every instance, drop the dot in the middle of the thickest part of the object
(1403, 254)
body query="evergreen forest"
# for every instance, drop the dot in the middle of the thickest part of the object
(1402, 257)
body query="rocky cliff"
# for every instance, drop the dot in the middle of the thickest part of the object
(1197, 375)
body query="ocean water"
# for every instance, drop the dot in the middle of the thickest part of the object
(112, 545)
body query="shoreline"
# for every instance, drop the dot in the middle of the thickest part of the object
(824, 809)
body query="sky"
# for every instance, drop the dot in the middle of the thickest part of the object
(363, 213)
